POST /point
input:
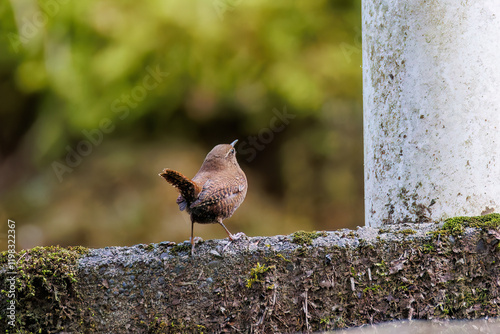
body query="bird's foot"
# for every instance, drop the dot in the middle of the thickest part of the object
(196, 240)
(233, 237)
(236, 236)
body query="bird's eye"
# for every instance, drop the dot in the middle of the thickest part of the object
(230, 152)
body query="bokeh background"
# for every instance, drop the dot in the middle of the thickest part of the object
(97, 97)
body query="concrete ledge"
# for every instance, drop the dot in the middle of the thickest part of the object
(302, 282)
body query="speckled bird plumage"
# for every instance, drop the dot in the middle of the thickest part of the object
(215, 192)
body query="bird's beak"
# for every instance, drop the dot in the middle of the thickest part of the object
(234, 142)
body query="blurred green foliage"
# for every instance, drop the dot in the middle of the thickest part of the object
(157, 84)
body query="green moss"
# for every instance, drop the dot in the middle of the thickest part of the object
(179, 248)
(46, 288)
(467, 298)
(257, 274)
(306, 238)
(407, 232)
(300, 252)
(374, 288)
(382, 269)
(4, 257)
(456, 226)
(279, 255)
(352, 235)
(427, 248)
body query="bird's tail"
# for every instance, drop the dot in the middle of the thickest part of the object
(187, 188)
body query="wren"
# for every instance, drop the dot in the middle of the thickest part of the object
(215, 192)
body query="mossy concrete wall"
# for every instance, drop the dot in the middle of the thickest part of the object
(302, 282)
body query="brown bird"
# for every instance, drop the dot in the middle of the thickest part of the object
(215, 192)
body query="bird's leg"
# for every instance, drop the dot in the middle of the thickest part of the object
(192, 238)
(232, 236)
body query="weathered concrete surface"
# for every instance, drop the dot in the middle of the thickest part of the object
(431, 78)
(429, 327)
(263, 284)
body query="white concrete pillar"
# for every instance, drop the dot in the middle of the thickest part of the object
(431, 93)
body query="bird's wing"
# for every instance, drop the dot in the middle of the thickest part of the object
(181, 202)
(211, 193)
